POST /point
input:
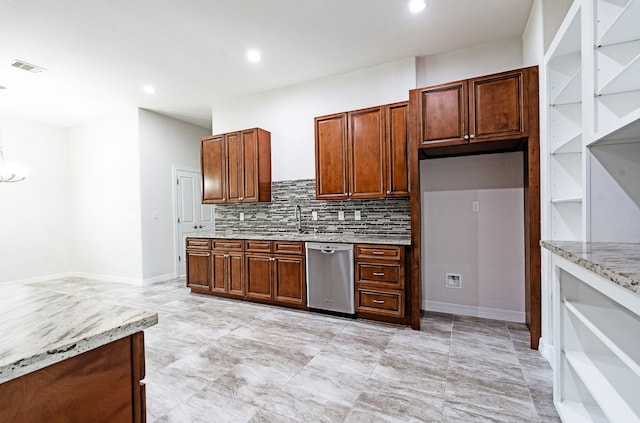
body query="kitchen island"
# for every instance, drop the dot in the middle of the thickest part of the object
(67, 358)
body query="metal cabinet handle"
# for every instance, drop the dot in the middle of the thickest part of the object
(272, 259)
(388, 192)
(466, 137)
(472, 136)
(225, 255)
(377, 253)
(241, 198)
(195, 226)
(378, 301)
(378, 273)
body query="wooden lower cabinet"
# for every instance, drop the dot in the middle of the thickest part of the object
(100, 385)
(259, 276)
(277, 279)
(198, 263)
(227, 273)
(380, 282)
(290, 281)
(266, 271)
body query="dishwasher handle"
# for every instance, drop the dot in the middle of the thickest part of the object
(328, 251)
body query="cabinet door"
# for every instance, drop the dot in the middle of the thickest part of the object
(213, 169)
(250, 166)
(397, 139)
(198, 269)
(290, 281)
(331, 157)
(258, 276)
(366, 153)
(444, 113)
(218, 272)
(235, 274)
(497, 107)
(235, 167)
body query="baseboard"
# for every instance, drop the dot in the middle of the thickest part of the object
(158, 279)
(39, 279)
(546, 351)
(484, 312)
(104, 278)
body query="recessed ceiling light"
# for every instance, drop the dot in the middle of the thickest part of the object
(253, 56)
(417, 5)
(149, 89)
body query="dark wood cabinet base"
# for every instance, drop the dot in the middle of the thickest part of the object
(101, 385)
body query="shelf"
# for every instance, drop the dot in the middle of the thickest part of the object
(616, 111)
(573, 145)
(568, 200)
(627, 130)
(589, 368)
(565, 128)
(572, 91)
(572, 411)
(607, 325)
(625, 80)
(624, 22)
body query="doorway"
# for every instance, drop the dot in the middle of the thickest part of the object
(191, 216)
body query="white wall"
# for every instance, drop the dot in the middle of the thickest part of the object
(484, 59)
(34, 213)
(164, 142)
(485, 247)
(288, 113)
(105, 202)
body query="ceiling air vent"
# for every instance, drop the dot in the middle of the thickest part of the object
(27, 66)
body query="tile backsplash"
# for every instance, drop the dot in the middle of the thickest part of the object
(378, 216)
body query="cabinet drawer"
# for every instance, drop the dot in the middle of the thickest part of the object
(385, 274)
(379, 252)
(387, 303)
(288, 247)
(227, 244)
(258, 246)
(198, 244)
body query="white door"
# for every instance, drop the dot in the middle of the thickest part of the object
(191, 214)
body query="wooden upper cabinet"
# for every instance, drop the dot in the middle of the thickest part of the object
(213, 167)
(362, 153)
(236, 167)
(331, 157)
(488, 108)
(497, 107)
(366, 153)
(444, 114)
(397, 140)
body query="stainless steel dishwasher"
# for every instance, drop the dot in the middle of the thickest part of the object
(330, 283)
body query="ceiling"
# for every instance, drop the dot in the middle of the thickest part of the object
(100, 54)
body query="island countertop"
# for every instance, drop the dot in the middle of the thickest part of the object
(307, 237)
(41, 327)
(616, 261)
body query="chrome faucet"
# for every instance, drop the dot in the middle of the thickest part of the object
(299, 217)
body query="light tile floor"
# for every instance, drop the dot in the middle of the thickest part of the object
(216, 360)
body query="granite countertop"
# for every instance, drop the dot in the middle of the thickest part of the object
(41, 327)
(307, 237)
(619, 262)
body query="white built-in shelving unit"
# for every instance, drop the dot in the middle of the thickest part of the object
(597, 364)
(565, 133)
(592, 106)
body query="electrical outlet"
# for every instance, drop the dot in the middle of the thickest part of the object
(314, 215)
(475, 206)
(241, 216)
(340, 215)
(357, 215)
(453, 280)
